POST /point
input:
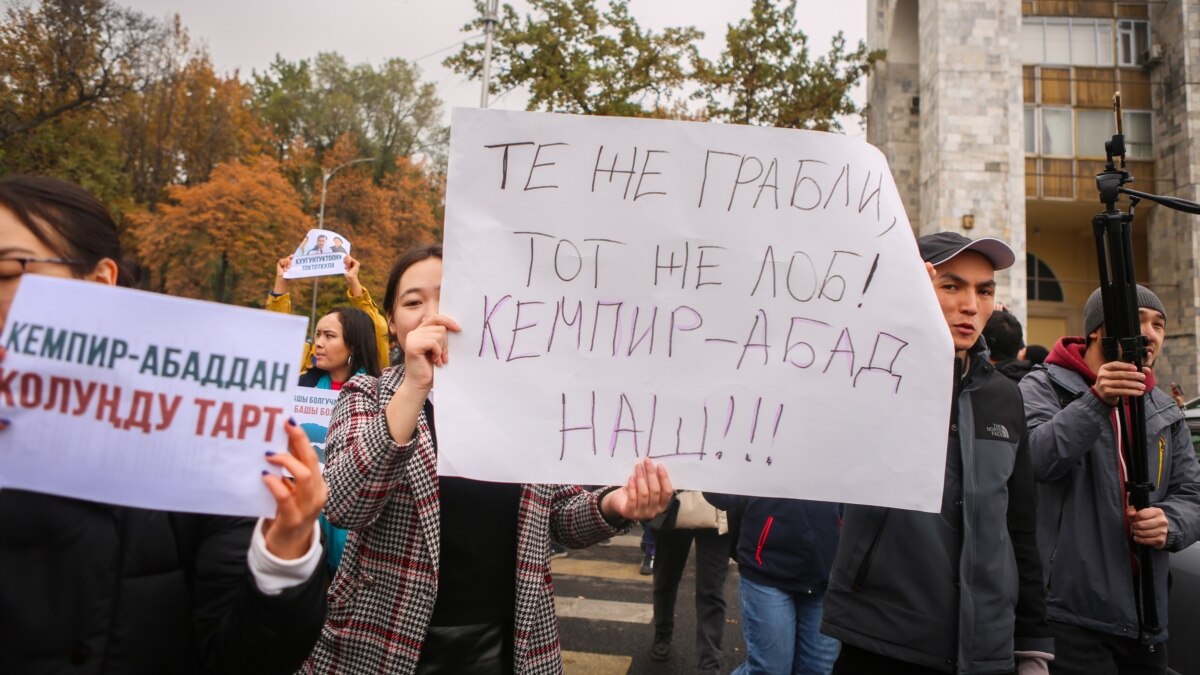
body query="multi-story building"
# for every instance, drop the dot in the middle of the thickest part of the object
(994, 113)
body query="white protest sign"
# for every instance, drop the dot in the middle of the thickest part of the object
(321, 253)
(139, 399)
(744, 304)
(312, 408)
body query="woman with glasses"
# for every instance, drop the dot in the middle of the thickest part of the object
(94, 588)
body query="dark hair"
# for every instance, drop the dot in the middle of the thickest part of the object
(1036, 354)
(1003, 334)
(410, 258)
(358, 332)
(68, 220)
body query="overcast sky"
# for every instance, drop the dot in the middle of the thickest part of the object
(245, 35)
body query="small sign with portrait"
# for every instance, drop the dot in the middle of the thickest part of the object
(321, 253)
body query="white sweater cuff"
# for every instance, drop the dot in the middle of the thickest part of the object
(274, 575)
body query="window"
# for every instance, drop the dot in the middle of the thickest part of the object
(1040, 281)
(1093, 129)
(1077, 42)
(1057, 137)
(1133, 39)
(1030, 131)
(1139, 139)
(1058, 43)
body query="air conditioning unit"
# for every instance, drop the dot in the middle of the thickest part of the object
(1152, 56)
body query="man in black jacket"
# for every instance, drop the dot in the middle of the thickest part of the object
(960, 590)
(1004, 341)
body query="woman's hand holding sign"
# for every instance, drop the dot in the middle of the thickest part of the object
(299, 499)
(352, 283)
(281, 269)
(645, 495)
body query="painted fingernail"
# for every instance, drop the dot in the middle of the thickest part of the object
(292, 421)
(270, 453)
(5, 421)
(265, 472)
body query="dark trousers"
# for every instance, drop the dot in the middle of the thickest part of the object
(1079, 651)
(855, 661)
(712, 564)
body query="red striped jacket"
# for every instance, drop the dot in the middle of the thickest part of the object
(386, 494)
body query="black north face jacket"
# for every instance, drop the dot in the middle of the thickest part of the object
(91, 588)
(958, 590)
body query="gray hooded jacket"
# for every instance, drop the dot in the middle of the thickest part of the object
(1082, 537)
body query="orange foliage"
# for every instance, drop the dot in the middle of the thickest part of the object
(381, 220)
(218, 240)
(179, 127)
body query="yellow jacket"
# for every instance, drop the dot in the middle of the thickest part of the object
(283, 304)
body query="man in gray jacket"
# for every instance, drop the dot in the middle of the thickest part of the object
(1086, 527)
(958, 591)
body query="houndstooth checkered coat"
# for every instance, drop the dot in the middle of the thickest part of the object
(383, 595)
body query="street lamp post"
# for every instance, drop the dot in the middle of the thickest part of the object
(325, 176)
(489, 23)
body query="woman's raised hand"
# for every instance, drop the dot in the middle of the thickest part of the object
(352, 268)
(645, 495)
(427, 347)
(298, 500)
(281, 268)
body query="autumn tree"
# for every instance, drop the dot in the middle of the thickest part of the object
(764, 75)
(178, 127)
(63, 64)
(282, 96)
(574, 57)
(383, 218)
(218, 240)
(416, 195)
(388, 110)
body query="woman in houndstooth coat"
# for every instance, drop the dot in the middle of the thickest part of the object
(444, 575)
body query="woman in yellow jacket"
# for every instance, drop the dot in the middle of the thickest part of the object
(280, 300)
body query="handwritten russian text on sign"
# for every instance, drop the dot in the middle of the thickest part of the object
(321, 253)
(745, 304)
(139, 399)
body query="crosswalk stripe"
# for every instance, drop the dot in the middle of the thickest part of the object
(587, 663)
(578, 567)
(628, 540)
(604, 610)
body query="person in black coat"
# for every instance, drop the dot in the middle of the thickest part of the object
(94, 588)
(1003, 333)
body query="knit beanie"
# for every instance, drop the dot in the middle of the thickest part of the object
(1093, 309)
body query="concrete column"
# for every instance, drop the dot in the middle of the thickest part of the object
(1173, 240)
(972, 165)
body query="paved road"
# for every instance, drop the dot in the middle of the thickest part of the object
(605, 609)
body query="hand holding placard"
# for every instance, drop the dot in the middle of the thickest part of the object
(111, 402)
(298, 500)
(645, 495)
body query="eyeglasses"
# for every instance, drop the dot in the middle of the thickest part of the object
(11, 268)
